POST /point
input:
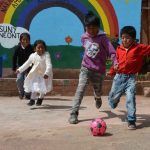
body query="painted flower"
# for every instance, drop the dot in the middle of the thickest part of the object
(68, 39)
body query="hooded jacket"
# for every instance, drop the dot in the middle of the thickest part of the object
(97, 50)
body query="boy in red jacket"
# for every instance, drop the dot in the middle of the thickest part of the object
(130, 57)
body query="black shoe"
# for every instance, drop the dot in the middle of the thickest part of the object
(73, 118)
(131, 125)
(27, 96)
(39, 102)
(98, 102)
(31, 102)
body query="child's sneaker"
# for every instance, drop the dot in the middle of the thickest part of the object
(131, 125)
(39, 102)
(98, 102)
(31, 102)
(73, 118)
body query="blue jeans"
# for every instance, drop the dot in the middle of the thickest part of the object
(20, 82)
(85, 76)
(124, 83)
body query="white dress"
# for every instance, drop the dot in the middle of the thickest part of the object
(35, 82)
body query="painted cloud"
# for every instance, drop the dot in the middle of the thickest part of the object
(9, 35)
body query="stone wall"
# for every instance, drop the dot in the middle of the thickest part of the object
(65, 83)
(65, 87)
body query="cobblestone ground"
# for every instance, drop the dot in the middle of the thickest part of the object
(47, 128)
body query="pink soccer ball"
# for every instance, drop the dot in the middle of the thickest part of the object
(98, 127)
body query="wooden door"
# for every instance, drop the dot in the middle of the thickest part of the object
(145, 22)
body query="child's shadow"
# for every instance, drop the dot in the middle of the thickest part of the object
(57, 99)
(59, 107)
(142, 119)
(111, 114)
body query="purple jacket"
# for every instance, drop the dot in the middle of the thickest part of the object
(97, 50)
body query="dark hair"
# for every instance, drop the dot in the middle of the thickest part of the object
(128, 30)
(40, 42)
(91, 19)
(24, 34)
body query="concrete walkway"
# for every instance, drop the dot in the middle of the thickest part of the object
(47, 128)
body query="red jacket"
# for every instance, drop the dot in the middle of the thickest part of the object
(130, 61)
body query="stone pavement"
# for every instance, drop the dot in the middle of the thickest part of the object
(46, 127)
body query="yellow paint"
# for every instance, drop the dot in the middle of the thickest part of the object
(11, 11)
(127, 1)
(102, 15)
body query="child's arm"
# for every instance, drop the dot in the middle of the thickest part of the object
(113, 70)
(48, 71)
(145, 49)
(26, 65)
(110, 50)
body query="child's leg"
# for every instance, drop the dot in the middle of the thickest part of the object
(41, 96)
(117, 90)
(97, 81)
(40, 99)
(83, 81)
(20, 82)
(130, 99)
(32, 99)
(34, 95)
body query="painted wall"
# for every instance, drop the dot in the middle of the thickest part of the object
(56, 21)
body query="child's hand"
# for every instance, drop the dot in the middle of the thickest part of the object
(116, 67)
(108, 74)
(17, 71)
(45, 76)
(112, 71)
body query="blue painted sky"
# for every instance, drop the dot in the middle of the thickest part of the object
(55, 23)
(128, 13)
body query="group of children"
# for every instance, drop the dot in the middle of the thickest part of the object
(127, 61)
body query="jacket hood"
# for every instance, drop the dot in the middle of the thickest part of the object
(100, 32)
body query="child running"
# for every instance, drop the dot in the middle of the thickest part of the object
(97, 49)
(130, 56)
(39, 79)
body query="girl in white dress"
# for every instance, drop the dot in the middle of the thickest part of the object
(39, 79)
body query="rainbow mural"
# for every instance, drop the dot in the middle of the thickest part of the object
(17, 16)
(20, 13)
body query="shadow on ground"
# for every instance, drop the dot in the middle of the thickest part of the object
(47, 106)
(57, 99)
(142, 119)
